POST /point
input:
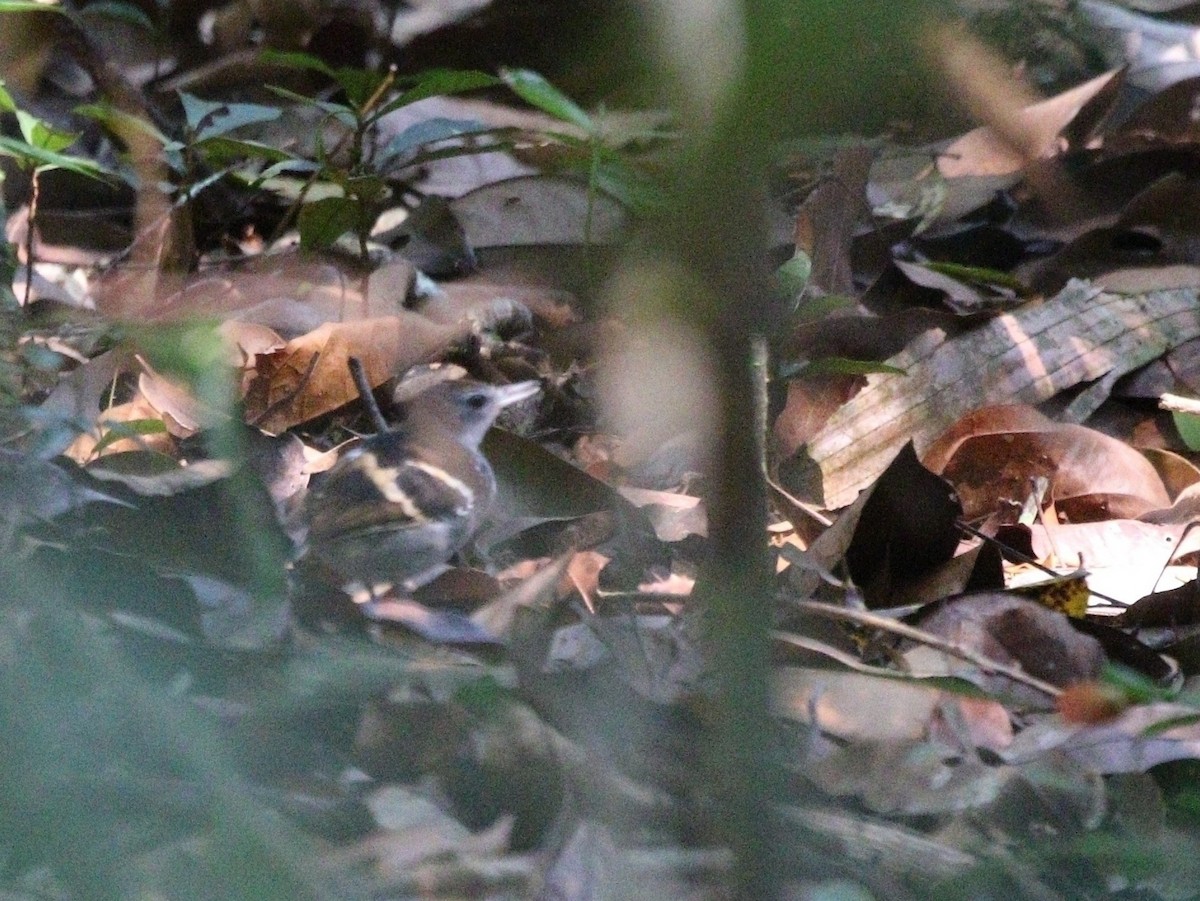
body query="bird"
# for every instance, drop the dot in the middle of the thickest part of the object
(395, 508)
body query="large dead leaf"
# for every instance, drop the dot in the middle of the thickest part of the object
(1158, 53)
(906, 530)
(1081, 335)
(811, 400)
(310, 375)
(1142, 737)
(538, 210)
(993, 455)
(1029, 133)
(1152, 245)
(1009, 630)
(825, 221)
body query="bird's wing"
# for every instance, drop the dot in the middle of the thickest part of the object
(367, 491)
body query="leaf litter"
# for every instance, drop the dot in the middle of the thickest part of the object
(550, 695)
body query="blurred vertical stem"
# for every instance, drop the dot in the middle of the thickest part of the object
(745, 73)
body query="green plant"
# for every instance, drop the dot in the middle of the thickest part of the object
(351, 176)
(346, 175)
(39, 149)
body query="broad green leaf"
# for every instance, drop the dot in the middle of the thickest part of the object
(119, 122)
(811, 309)
(27, 153)
(27, 6)
(536, 91)
(339, 111)
(1138, 686)
(43, 135)
(1188, 425)
(360, 85)
(436, 83)
(322, 222)
(792, 277)
(367, 188)
(629, 185)
(225, 149)
(427, 132)
(7, 104)
(118, 11)
(291, 165)
(208, 119)
(297, 60)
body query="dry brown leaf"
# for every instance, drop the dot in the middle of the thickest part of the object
(1029, 133)
(855, 706)
(1118, 543)
(537, 210)
(1009, 630)
(993, 455)
(674, 516)
(176, 406)
(584, 573)
(826, 221)
(1138, 739)
(310, 375)
(811, 400)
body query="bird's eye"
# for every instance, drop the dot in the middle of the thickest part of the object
(476, 401)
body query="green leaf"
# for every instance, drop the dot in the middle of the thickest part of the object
(367, 189)
(360, 85)
(427, 132)
(226, 149)
(811, 309)
(629, 186)
(322, 222)
(132, 428)
(1138, 687)
(28, 6)
(339, 111)
(792, 277)
(979, 275)
(47, 159)
(292, 165)
(437, 83)
(119, 122)
(118, 12)
(43, 135)
(843, 366)
(536, 91)
(1188, 425)
(7, 104)
(297, 60)
(208, 119)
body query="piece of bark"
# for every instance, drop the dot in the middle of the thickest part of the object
(1081, 335)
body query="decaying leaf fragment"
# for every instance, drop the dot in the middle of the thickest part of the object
(1081, 335)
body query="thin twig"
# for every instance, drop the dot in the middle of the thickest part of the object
(1025, 558)
(359, 374)
(863, 618)
(31, 222)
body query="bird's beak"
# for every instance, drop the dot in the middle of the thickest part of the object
(516, 392)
